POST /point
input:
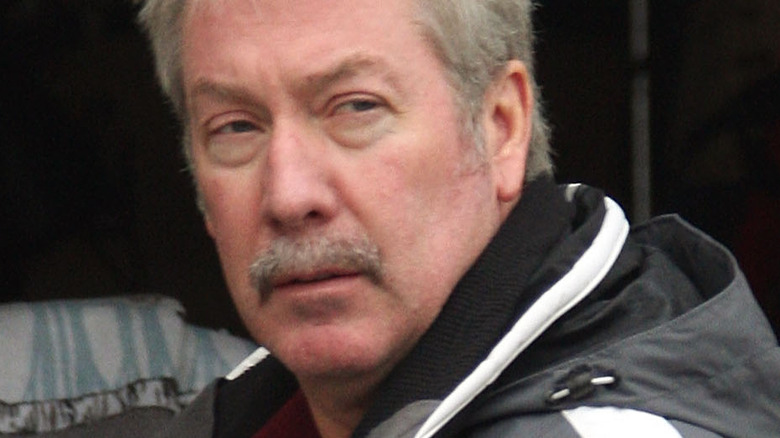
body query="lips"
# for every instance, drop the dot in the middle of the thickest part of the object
(320, 275)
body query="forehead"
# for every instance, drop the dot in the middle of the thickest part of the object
(309, 40)
(313, 14)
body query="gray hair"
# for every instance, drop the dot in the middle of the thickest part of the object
(474, 39)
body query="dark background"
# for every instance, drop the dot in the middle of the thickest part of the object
(95, 201)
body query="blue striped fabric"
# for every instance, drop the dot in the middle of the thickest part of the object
(64, 362)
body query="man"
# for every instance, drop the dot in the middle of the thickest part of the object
(377, 180)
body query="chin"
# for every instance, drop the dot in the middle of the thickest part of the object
(331, 353)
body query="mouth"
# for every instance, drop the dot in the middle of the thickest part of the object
(309, 278)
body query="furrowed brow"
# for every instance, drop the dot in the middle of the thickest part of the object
(220, 92)
(353, 66)
(223, 93)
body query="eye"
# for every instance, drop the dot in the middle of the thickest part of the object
(361, 105)
(237, 127)
(233, 142)
(359, 119)
(357, 105)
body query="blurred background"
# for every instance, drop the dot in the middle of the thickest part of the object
(670, 106)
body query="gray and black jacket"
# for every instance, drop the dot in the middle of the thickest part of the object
(568, 325)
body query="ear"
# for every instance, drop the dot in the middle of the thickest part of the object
(507, 110)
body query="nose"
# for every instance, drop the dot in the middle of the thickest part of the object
(298, 193)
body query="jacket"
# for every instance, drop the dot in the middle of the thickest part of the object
(569, 324)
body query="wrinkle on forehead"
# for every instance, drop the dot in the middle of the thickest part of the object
(289, 11)
(262, 9)
(216, 7)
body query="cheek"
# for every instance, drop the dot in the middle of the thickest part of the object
(231, 218)
(422, 191)
(433, 206)
(229, 203)
(398, 196)
(406, 204)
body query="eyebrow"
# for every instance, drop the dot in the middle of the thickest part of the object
(222, 91)
(352, 66)
(311, 84)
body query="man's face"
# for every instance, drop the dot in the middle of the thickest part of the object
(327, 131)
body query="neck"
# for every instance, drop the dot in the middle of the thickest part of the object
(338, 405)
(332, 427)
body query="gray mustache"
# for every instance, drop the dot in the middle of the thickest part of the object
(287, 257)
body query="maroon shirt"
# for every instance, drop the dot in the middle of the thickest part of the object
(293, 420)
